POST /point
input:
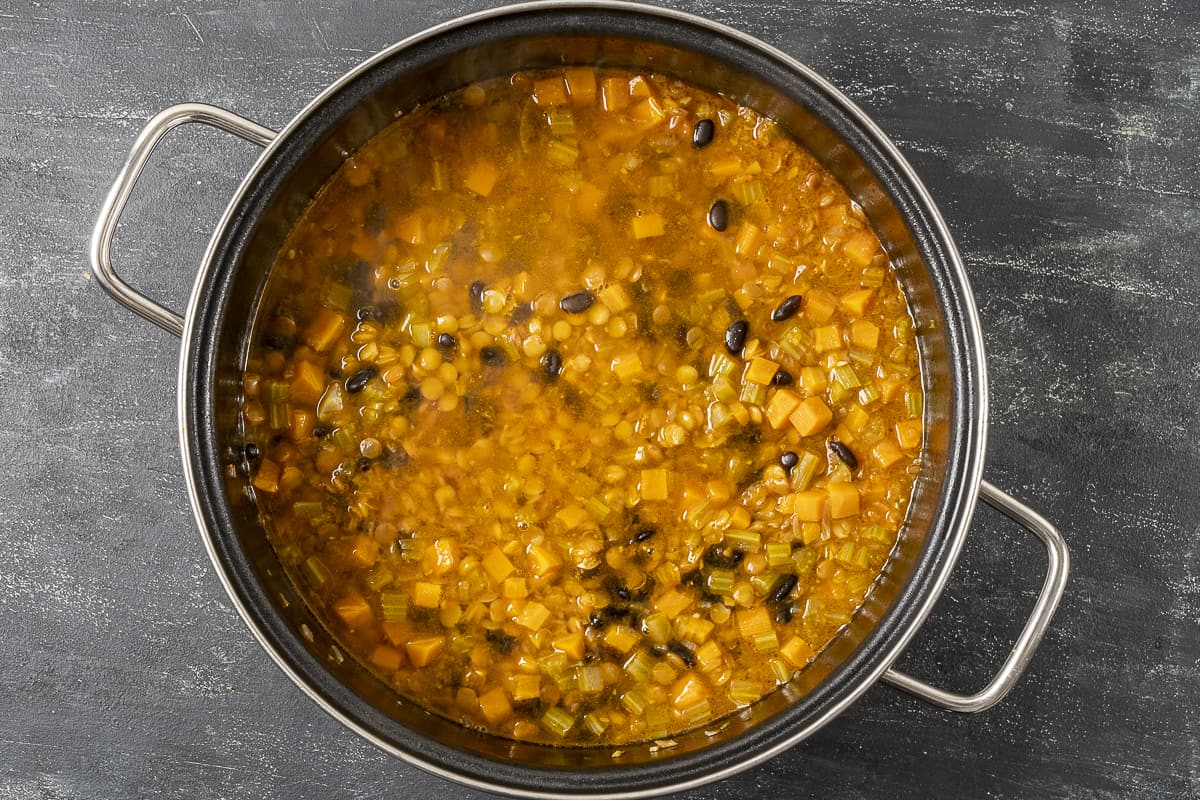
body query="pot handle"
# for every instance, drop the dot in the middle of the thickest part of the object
(1035, 627)
(110, 213)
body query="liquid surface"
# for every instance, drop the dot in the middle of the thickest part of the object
(584, 407)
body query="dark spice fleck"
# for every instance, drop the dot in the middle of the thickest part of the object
(787, 309)
(476, 291)
(493, 356)
(781, 589)
(841, 451)
(718, 215)
(577, 303)
(358, 381)
(735, 337)
(364, 313)
(782, 378)
(788, 461)
(320, 432)
(702, 134)
(681, 335)
(364, 464)
(446, 341)
(552, 364)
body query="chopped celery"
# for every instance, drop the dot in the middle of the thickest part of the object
(393, 606)
(307, 508)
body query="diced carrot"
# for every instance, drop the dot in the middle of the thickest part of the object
(421, 652)
(811, 416)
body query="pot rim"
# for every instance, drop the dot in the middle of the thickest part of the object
(976, 374)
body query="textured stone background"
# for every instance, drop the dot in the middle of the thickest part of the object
(1060, 140)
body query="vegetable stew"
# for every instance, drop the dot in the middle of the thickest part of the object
(584, 406)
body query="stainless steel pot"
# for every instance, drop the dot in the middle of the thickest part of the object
(298, 159)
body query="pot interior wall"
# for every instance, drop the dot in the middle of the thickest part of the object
(309, 153)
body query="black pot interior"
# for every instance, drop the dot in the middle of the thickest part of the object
(315, 146)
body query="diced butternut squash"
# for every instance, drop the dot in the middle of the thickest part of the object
(827, 338)
(386, 658)
(673, 603)
(843, 500)
(813, 379)
(266, 479)
(494, 706)
(364, 551)
(689, 690)
(780, 407)
(354, 610)
(571, 516)
(886, 453)
(571, 645)
(533, 616)
(809, 506)
(908, 434)
(526, 687)
(549, 92)
(811, 416)
(421, 652)
(710, 656)
(515, 588)
(324, 330)
(797, 651)
(441, 557)
(865, 335)
(621, 638)
(543, 559)
(497, 565)
(855, 303)
(308, 383)
(426, 594)
(647, 226)
(615, 94)
(861, 248)
(653, 485)
(481, 178)
(302, 425)
(615, 298)
(581, 85)
(761, 371)
(819, 306)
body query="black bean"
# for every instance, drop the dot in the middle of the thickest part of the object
(596, 621)
(358, 381)
(252, 451)
(446, 341)
(718, 215)
(788, 461)
(841, 451)
(735, 337)
(364, 464)
(500, 641)
(685, 655)
(644, 534)
(783, 614)
(320, 432)
(476, 291)
(398, 457)
(412, 395)
(787, 309)
(364, 313)
(552, 364)
(493, 356)
(714, 556)
(781, 589)
(702, 134)
(782, 378)
(577, 303)
(681, 335)
(523, 312)
(273, 341)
